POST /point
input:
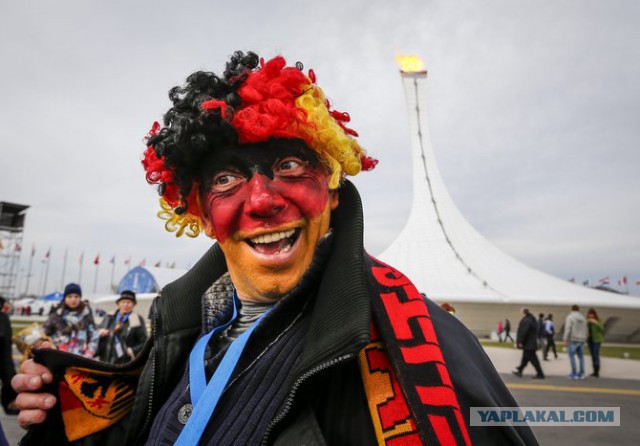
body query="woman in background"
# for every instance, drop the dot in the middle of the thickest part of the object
(71, 325)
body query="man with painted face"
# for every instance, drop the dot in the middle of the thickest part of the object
(286, 331)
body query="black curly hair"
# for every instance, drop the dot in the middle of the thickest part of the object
(189, 132)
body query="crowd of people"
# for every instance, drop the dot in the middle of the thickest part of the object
(540, 334)
(71, 327)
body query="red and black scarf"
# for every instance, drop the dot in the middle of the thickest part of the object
(411, 397)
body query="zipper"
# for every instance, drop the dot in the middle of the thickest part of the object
(294, 389)
(154, 329)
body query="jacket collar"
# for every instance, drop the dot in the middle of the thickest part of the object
(342, 312)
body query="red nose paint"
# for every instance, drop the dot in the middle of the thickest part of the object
(263, 202)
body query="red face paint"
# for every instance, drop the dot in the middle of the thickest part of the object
(268, 208)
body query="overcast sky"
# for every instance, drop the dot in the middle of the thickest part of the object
(534, 110)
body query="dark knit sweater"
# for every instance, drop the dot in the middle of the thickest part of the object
(253, 394)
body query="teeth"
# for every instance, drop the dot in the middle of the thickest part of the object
(273, 237)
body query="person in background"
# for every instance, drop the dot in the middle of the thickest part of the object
(123, 333)
(7, 366)
(596, 336)
(500, 330)
(575, 333)
(507, 330)
(7, 369)
(71, 325)
(527, 340)
(541, 334)
(550, 331)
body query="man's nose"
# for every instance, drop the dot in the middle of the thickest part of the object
(264, 200)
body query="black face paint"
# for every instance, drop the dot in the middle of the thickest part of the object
(250, 159)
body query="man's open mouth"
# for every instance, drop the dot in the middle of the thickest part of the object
(274, 242)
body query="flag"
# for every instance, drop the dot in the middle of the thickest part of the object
(622, 281)
(18, 248)
(81, 259)
(604, 281)
(572, 280)
(96, 261)
(158, 264)
(143, 262)
(113, 260)
(128, 261)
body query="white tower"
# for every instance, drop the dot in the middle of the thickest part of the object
(447, 259)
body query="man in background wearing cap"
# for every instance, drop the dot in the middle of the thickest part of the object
(123, 333)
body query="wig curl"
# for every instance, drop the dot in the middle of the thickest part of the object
(254, 101)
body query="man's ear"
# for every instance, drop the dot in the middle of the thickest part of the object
(206, 225)
(334, 199)
(205, 218)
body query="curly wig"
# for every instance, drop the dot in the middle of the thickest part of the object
(254, 101)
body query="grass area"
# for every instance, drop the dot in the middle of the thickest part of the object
(608, 351)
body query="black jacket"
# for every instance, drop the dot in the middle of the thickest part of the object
(132, 334)
(528, 333)
(7, 368)
(326, 375)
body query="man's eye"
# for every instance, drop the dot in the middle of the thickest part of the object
(226, 181)
(290, 167)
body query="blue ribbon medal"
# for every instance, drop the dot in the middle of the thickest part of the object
(205, 396)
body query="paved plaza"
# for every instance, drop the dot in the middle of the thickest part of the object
(619, 386)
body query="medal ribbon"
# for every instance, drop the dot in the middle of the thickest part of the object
(205, 396)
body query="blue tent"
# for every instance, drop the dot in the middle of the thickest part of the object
(56, 296)
(138, 280)
(150, 279)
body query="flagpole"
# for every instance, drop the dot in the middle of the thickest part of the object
(46, 274)
(33, 252)
(41, 276)
(64, 268)
(95, 280)
(80, 273)
(113, 270)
